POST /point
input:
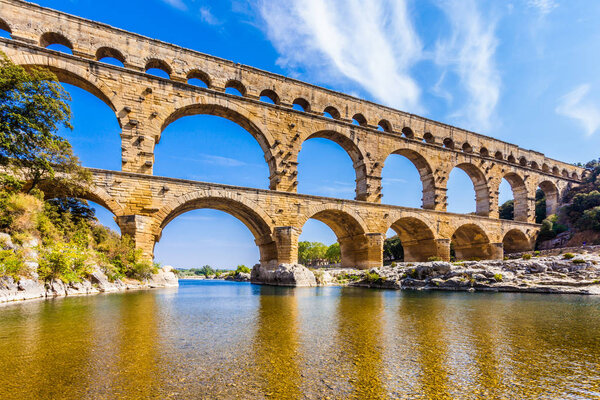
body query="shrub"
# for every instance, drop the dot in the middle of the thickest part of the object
(66, 262)
(394, 264)
(373, 277)
(498, 277)
(242, 269)
(526, 256)
(11, 264)
(568, 256)
(434, 258)
(536, 253)
(578, 261)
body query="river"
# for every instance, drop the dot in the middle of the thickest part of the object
(215, 339)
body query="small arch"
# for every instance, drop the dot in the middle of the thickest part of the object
(359, 119)
(498, 155)
(534, 165)
(236, 86)
(551, 194)
(154, 66)
(332, 111)
(448, 143)
(4, 27)
(269, 94)
(565, 173)
(575, 176)
(467, 148)
(515, 241)
(470, 242)
(511, 159)
(199, 78)
(50, 38)
(108, 54)
(408, 133)
(555, 170)
(384, 126)
(428, 138)
(523, 161)
(301, 104)
(483, 152)
(545, 167)
(417, 239)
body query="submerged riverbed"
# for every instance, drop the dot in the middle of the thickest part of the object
(216, 339)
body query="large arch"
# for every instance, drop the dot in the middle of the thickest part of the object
(245, 210)
(425, 173)
(515, 241)
(353, 151)
(552, 196)
(417, 238)
(519, 189)
(482, 193)
(350, 230)
(237, 115)
(470, 242)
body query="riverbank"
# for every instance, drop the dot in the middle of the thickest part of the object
(98, 282)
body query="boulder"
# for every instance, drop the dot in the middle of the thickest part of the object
(283, 275)
(6, 242)
(31, 288)
(164, 278)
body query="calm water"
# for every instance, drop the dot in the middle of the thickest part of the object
(236, 340)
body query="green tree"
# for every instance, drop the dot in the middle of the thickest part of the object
(392, 249)
(333, 253)
(507, 210)
(540, 206)
(310, 252)
(207, 270)
(33, 105)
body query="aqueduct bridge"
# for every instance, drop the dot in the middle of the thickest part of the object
(144, 105)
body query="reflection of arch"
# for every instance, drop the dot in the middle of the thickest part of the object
(551, 193)
(247, 211)
(200, 75)
(349, 229)
(482, 194)
(349, 146)
(270, 94)
(471, 242)
(515, 241)
(233, 113)
(103, 52)
(417, 239)
(519, 190)
(302, 103)
(425, 173)
(50, 38)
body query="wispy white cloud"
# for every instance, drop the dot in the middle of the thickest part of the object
(207, 16)
(544, 7)
(577, 105)
(179, 4)
(469, 52)
(370, 42)
(214, 160)
(394, 180)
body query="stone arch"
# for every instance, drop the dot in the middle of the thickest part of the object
(70, 73)
(331, 110)
(271, 95)
(302, 103)
(228, 110)
(565, 173)
(247, 211)
(448, 143)
(574, 175)
(106, 51)
(237, 85)
(158, 64)
(408, 132)
(523, 161)
(417, 238)
(467, 148)
(555, 170)
(482, 193)
(350, 230)
(470, 242)
(545, 167)
(351, 148)
(4, 26)
(519, 189)
(484, 152)
(385, 125)
(360, 119)
(511, 159)
(425, 173)
(50, 38)
(534, 165)
(498, 155)
(551, 193)
(515, 241)
(201, 75)
(429, 138)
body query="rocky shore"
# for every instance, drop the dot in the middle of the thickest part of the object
(564, 273)
(27, 289)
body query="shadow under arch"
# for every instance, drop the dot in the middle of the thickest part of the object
(353, 151)
(515, 241)
(425, 173)
(470, 242)
(247, 211)
(350, 230)
(418, 240)
(482, 193)
(231, 113)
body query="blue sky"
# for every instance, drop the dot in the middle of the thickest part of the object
(524, 71)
